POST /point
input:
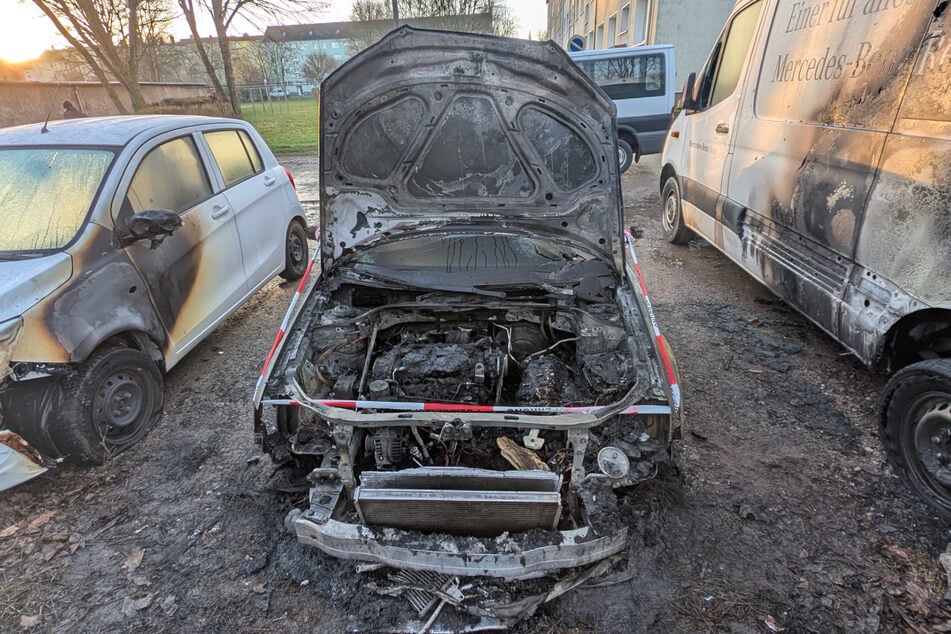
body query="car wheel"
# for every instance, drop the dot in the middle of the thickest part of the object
(916, 429)
(109, 404)
(295, 252)
(675, 231)
(625, 155)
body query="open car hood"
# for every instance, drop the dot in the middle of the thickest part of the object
(460, 134)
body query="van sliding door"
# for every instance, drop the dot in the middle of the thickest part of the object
(826, 93)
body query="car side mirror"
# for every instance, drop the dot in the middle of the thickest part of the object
(151, 224)
(688, 100)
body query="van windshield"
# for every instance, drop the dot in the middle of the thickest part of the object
(46, 193)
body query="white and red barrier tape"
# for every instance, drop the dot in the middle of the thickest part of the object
(668, 366)
(290, 311)
(401, 406)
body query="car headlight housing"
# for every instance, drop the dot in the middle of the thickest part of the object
(9, 336)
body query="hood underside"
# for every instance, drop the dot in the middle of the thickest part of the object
(429, 130)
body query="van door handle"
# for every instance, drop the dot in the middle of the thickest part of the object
(723, 128)
(218, 212)
(268, 181)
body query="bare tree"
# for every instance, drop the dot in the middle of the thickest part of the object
(459, 15)
(366, 10)
(107, 34)
(223, 14)
(317, 66)
(251, 64)
(281, 57)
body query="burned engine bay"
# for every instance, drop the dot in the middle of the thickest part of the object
(460, 415)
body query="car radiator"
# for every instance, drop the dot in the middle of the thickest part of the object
(460, 500)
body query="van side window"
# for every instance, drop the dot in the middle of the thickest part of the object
(629, 76)
(722, 74)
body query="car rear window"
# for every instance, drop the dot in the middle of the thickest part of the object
(235, 154)
(46, 193)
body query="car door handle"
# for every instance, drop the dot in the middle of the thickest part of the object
(268, 181)
(723, 128)
(218, 212)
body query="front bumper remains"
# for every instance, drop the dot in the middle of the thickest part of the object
(512, 560)
(19, 461)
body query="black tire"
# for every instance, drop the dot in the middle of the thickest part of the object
(296, 252)
(915, 426)
(625, 155)
(109, 404)
(672, 217)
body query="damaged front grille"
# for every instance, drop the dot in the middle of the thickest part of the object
(459, 500)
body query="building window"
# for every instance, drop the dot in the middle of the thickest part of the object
(600, 42)
(612, 30)
(587, 12)
(625, 19)
(590, 39)
(640, 22)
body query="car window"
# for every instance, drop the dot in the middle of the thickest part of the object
(734, 52)
(46, 193)
(171, 176)
(235, 154)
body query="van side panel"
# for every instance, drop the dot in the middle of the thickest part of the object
(907, 233)
(904, 249)
(810, 138)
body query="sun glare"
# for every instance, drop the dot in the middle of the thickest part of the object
(24, 32)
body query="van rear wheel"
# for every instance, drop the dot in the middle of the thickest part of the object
(915, 426)
(625, 155)
(672, 219)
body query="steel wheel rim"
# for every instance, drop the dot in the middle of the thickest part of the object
(670, 211)
(931, 440)
(118, 405)
(295, 250)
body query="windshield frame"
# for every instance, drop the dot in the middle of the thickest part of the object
(22, 254)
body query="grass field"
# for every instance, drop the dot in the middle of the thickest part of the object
(287, 126)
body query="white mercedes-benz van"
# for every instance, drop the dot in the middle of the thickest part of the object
(813, 149)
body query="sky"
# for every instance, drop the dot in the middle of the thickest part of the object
(25, 32)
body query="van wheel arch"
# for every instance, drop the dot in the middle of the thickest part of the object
(666, 172)
(918, 336)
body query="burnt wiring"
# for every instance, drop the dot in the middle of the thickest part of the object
(326, 353)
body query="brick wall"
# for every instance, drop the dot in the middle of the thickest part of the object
(29, 102)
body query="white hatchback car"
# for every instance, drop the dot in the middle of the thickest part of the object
(124, 241)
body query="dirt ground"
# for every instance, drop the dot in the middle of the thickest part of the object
(783, 511)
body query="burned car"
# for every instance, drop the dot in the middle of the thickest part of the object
(124, 241)
(477, 365)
